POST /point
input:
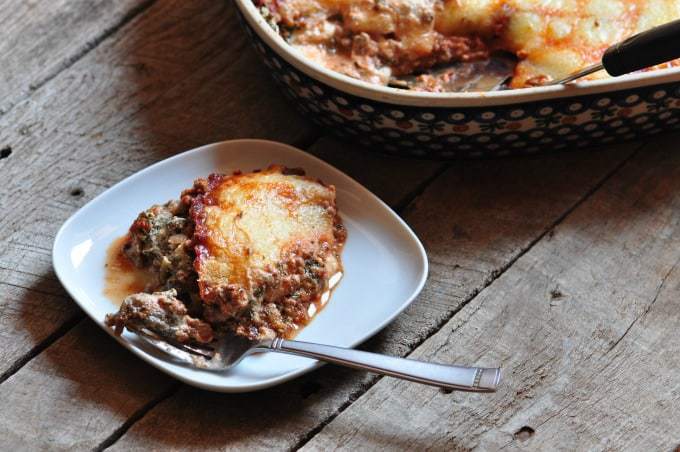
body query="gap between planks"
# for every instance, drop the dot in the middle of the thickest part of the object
(84, 50)
(39, 348)
(136, 416)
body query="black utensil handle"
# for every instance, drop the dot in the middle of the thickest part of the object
(649, 48)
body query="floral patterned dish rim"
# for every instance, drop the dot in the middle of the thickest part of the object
(424, 99)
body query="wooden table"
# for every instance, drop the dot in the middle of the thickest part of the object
(561, 268)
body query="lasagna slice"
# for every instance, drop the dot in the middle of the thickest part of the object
(253, 254)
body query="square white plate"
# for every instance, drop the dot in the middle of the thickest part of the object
(385, 263)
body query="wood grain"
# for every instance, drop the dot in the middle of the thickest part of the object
(581, 315)
(494, 202)
(146, 92)
(394, 180)
(75, 393)
(584, 325)
(40, 39)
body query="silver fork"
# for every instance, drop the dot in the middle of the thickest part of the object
(227, 352)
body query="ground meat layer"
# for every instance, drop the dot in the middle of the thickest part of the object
(162, 313)
(286, 298)
(160, 240)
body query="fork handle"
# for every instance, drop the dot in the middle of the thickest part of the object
(473, 379)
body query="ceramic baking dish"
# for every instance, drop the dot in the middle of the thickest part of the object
(455, 125)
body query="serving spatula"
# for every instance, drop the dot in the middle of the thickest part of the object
(649, 48)
(464, 76)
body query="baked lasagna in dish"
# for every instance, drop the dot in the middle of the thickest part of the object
(253, 254)
(376, 40)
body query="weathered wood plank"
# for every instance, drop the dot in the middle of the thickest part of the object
(148, 91)
(126, 105)
(75, 393)
(395, 180)
(469, 197)
(584, 324)
(40, 39)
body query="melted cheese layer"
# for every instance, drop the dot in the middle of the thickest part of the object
(557, 37)
(267, 244)
(255, 218)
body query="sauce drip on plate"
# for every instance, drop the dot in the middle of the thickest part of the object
(122, 278)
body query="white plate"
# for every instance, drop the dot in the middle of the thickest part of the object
(385, 263)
